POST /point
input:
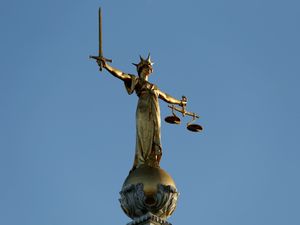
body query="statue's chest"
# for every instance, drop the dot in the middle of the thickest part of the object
(144, 88)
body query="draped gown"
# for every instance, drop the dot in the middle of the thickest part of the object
(148, 148)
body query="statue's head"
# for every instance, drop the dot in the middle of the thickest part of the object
(144, 67)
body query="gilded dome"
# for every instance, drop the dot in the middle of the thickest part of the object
(148, 190)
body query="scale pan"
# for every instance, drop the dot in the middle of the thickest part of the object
(172, 119)
(194, 127)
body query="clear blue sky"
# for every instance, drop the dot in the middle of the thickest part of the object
(67, 132)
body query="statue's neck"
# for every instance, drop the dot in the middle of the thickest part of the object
(144, 78)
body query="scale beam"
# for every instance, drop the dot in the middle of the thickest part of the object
(183, 111)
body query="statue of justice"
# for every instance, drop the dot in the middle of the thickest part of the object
(148, 149)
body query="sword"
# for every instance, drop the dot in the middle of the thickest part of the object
(100, 51)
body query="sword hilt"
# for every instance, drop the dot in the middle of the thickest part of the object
(99, 58)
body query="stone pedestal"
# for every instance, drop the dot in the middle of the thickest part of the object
(148, 196)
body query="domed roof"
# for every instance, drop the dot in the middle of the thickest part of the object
(150, 177)
(148, 190)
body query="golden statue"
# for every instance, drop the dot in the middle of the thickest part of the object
(148, 142)
(148, 150)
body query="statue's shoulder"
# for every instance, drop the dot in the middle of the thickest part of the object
(133, 78)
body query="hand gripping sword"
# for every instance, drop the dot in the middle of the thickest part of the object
(100, 56)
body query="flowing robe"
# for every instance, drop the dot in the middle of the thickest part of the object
(148, 141)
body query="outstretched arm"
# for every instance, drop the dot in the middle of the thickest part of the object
(169, 99)
(115, 72)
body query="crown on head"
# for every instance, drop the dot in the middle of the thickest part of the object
(143, 62)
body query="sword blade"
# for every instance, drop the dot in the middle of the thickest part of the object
(100, 33)
(100, 52)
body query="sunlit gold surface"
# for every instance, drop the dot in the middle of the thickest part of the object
(150, 177)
